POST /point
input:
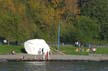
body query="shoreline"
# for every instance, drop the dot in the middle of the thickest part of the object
(27, 57)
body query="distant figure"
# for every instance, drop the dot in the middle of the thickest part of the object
(77, 44)
(47, 56)
(93, 50)
(43, 57)
(77, 50)
(81, 48)
(42, 51)
(13, 52)
(5, 41)
(88, 50)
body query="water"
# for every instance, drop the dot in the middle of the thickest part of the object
(54, 66)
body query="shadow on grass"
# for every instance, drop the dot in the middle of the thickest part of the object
(23, 50)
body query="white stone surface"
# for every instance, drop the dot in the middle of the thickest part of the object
(35, 46)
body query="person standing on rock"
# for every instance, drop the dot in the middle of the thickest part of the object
(43, 57)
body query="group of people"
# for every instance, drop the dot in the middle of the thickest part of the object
(80, 47)
(44, 55)
(92, 50)
(13, 52)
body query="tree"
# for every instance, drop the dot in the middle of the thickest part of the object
(87, 29)
(14, 26)
(7, 26)
(97, 9)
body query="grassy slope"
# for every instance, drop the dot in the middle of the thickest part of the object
(102, 51)
(6, 49)
(71, 50)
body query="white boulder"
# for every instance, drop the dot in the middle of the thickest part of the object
(36, 47)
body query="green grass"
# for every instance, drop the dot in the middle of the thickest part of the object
(71, 50)
(102, 51)
(6, 49)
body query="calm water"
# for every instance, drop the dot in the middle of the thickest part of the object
(54, 66)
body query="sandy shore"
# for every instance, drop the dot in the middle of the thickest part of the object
(26, 57)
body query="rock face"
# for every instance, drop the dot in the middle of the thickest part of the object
(36, 47)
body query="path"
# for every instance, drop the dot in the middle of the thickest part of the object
(27, 57)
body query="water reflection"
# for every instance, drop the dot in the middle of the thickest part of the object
(35, 66)
(54, 66)
(22, 66)
(77, 66)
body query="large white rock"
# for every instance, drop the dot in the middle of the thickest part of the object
(36, 47)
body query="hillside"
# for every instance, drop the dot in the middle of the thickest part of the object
(84, 21)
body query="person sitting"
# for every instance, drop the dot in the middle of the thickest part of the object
(93, 50)
(13, 52)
